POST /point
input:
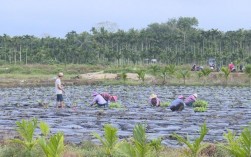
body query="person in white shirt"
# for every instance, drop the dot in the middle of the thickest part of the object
(59, 91)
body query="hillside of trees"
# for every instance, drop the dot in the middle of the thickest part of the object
(178, 41)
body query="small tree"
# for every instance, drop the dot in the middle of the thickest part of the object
(205, 73)
(239, 146)
(196, 146)
(184, 74)
(110, 140)
(226, 72)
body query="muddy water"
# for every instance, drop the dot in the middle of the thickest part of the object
(229, 108)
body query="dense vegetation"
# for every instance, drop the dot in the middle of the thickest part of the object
(34, 144)
(176, 41)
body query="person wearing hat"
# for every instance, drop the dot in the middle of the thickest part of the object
(178, 104)
(154, 100)
(59, 90)
(99, 100)
(191, 99)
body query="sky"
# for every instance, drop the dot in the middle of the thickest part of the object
(56, 18)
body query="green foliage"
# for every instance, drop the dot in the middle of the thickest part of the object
(196, 146)
(139, 146)
(115, 105)
(54, 147)
(26, 129)
(200, 103)
(141, 74)
(155, 69)
(204, 73)
(200, 109)
(124, 76)
(171, 70)
(226, 72)
(156, 145)
(184, 74)
(45, 129)
(110, 139)
(200, 106)
(165, 104)
(239, 146)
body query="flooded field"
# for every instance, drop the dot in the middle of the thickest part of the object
(228, 108)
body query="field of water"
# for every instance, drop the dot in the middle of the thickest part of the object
(228, 108)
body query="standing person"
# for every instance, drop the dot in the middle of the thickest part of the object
(154, 100)
(59, 90)
(178, 104)
(98, 99)
(190, 100)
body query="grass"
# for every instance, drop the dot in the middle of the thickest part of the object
(11, 75)
(89, 149)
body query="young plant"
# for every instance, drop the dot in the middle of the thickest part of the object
(141, 75)
(205, 73)
(54, 147)
(139, 146)
(184, 74)
(115, 105)
(200, 103)
(155, 69)
(200, 109)
(226, 72)
(26, 129)
(165, 104)
(196, 146)
(239, 146)
(110, 139)
(156, 145)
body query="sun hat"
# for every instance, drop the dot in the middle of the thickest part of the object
(181, 97)
(195, 95)
(153, 96)
(94, 93)
(60, 74)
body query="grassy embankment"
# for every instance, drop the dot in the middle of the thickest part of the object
(34, 75)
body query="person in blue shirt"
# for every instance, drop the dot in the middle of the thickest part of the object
(178, 104)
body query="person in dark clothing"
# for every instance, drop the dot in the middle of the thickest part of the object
(178, 104)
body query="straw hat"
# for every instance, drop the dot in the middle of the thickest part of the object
(153, 96)
(60, 74)
(195, 95)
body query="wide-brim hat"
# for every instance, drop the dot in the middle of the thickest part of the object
(153, 96)
(60, 74)
(195, 95)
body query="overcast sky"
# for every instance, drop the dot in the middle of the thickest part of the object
(58, 17)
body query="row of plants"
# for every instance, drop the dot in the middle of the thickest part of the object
(137, 146)
(172, 71)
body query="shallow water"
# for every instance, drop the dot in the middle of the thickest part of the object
(229, 108)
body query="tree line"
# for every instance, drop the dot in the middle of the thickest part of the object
(177, 41)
